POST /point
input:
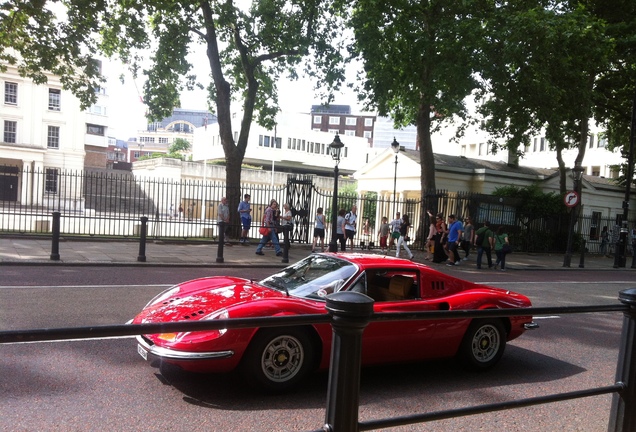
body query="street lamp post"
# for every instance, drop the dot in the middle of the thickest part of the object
(334, 149)
(396, 149)
(577, 174)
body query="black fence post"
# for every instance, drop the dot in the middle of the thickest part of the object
(219, 249)
(582, 261)
(143, 231)
(285, 244)
(350, 314)
(55, 239)
(623, 413)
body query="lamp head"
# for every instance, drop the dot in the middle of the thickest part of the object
(335, 147)
(395, 146)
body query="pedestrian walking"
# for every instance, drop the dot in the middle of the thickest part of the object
(223, 216)
(484, 242)
(441, 237)
(454, 239)
(319, 231)
(404, 229)
(604, 241)
(429, 245)
(269, 232)
(395, 229)
(383, 233)
(467, 237)
(245, 212)
(340, 230)
(501, 240)
(350, 224)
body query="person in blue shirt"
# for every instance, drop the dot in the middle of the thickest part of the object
(455, 229)
(246, 218)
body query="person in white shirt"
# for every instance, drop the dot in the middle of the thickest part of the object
(350, 225)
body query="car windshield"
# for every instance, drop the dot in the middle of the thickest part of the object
(313, 277)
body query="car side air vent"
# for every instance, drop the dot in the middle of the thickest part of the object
(437, 285)
(171, 300)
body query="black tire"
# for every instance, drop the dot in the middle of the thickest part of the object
(278, 359)
(483, 344)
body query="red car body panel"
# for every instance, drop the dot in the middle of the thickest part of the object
(383, 342)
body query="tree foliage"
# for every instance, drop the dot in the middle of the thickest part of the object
(249, 47)
(418, 61)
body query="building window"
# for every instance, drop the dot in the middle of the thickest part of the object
(289, 142)
(368, 122)
(596, 171)
(163, 140)
(55, 99)
(483, 149)
(50, 184)
(351, 121)
(350, 133)
(602, 142)
(591, 142)
(279, 142)
(10, 93)
(317, 120)
(595, 224)
(536, 141)
(147, 139)
(542, 148)
(334, 120)
(334, 131)
(92, 129)
(53, 137)
(10, 131)
(367, 134)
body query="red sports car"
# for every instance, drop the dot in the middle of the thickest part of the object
(277, 358)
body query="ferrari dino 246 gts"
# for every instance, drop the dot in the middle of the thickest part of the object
(277, 358)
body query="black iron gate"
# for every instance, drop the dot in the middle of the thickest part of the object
(299, 198)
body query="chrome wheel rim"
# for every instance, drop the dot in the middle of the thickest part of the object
(486, 342)
(282, 358)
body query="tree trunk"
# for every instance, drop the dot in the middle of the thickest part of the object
(427, 160)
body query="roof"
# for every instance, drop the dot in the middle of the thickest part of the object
(444, 161)
(331, 109)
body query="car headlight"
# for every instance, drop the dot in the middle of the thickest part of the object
(220, 314)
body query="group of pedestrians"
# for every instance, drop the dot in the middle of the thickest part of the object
(443, 244)
(446, 239)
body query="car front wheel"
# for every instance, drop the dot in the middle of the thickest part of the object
(483, 344)
(278, 359)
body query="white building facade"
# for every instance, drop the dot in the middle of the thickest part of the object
(43, 129)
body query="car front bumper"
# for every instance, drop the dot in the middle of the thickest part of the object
(150, 352)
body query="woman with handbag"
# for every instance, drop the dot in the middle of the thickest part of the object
(268, 230)
(404, 229)
(502, 248)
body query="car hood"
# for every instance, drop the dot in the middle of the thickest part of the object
(198, 299)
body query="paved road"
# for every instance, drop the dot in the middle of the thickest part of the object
(104, 384)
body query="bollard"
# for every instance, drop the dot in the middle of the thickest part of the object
(219, 249)
(285, 244)
(623, 412)
(582, 261)
(55, 239)
(350, 314)
(142, 239)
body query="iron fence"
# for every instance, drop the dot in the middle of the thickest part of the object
(349, 313)
(110, 203)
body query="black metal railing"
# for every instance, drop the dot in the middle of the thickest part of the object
(109, 204)
(349, 313)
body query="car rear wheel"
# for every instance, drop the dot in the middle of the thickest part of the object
(483, 344)
(278, 359)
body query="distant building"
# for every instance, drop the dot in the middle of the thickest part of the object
(337, 119)
(159, 136)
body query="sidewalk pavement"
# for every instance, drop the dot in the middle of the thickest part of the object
(37, 251)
